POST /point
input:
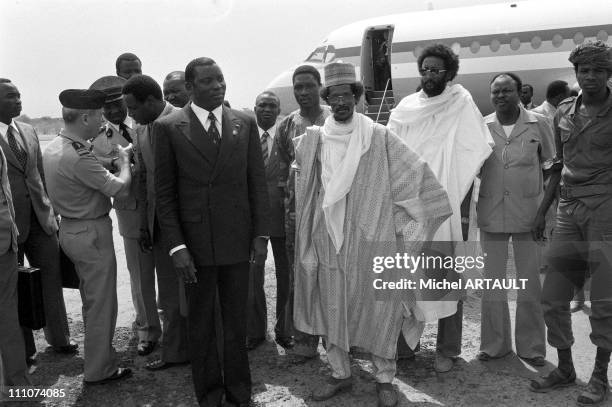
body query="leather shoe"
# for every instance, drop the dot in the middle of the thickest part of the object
(443, 364)
(146, 347)
(554, 380)
(387, 396)
(253, 343)
(286, 342)
(537, 361)
(121, 373)
(332, 387)
(159, 364)
(595, 393)
(69, 349)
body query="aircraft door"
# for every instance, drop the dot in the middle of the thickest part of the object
(376, 58)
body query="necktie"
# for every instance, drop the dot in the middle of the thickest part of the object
(264, 146)
(125, 133)
(21, 155)
(212, 129)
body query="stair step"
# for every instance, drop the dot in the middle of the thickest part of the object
(382, 119)
(375, 108)
(378, 101)
(380, 93)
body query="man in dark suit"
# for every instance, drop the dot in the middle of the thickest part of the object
(13, 369)
(267, 109)
(212, 207)
(34, 217)
(145, 103)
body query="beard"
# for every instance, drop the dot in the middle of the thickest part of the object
(433, 87)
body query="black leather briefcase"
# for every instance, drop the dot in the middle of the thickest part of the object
(70, 278)
(30, 300)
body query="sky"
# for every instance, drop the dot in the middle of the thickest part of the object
(51, 45)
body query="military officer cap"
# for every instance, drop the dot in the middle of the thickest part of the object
(82, 99)
(111, 85)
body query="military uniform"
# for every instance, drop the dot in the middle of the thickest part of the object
(80, 189)
(583, 233)
(141, 266)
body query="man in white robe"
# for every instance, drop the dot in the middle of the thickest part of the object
(442, 124)
(360, 193)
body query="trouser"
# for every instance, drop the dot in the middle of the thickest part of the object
(256, 303)
(582, 240)
(141, 267)
(210, 381)
(13, 369)
(338, 358)
(42, 251)
(174, 325)
(495, 328)
(89, 244)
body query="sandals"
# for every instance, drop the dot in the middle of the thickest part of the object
(484, 357)
(554, 380)
(159, 364)
(594, 394)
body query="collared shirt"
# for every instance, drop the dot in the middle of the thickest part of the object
(4, 130)
(546, 109)
(271, 133)
(128, 122)
(527, 106)
(79, 186)
(202, 115)
(584, 144)
(512, 183)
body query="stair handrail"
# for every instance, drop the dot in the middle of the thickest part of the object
(384, 100)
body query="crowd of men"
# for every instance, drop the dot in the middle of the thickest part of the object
(199, 189)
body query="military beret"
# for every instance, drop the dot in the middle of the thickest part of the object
(111, 85)
(82, 98)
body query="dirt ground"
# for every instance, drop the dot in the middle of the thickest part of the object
(276, 383)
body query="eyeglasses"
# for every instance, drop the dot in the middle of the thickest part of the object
(433, 71)
(339, 98)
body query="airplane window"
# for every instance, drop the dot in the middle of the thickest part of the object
(602, 36)
(515, 43)
(495, 44)
(536, 42)
(475, 47)
(317, 55)
(557, 40)
(417, 51)
(456, 47)
(578, 38)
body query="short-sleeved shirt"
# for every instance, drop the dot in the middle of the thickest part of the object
(584, 144)
(512, 184)
(79, 186)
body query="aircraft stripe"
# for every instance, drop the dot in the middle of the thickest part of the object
(526, 37)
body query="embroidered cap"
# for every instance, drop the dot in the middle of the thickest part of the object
(111, 85)
(82, 98)
(339, 73)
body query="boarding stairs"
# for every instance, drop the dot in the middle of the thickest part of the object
(381, 103)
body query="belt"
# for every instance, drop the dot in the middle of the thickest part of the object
(97, 217)
(585, 190)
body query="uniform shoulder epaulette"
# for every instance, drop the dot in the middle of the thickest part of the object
(80, 148)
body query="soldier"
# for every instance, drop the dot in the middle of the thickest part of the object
(117, 131)
(80, 189)
(581, 238)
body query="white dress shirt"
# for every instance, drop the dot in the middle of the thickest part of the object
(4, 130)
(272, 133)
(202, 115)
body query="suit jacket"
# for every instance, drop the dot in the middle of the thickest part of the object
(145, 160)
(125, 208)
(8, 229)
(214, 203)
(27, 185)
(276, 169)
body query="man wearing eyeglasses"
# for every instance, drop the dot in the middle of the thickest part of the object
(443, 125)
